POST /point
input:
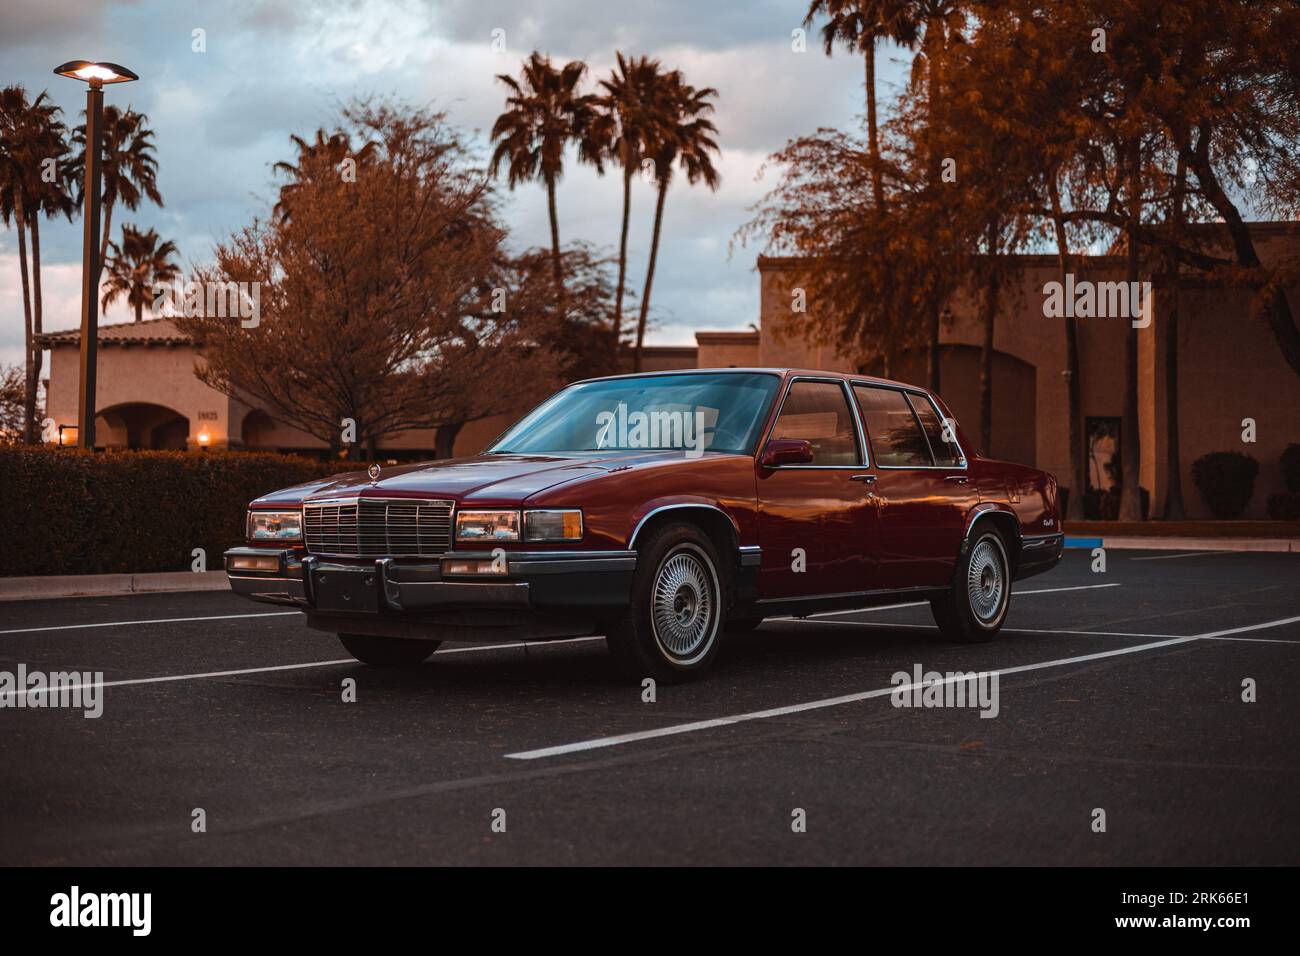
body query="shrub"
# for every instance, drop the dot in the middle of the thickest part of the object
(1226, 481)
(64, 511)
(1284, 506)
(1291, 468)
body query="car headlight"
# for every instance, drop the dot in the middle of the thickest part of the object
(553, 525)
(275, 526)
(487, 526)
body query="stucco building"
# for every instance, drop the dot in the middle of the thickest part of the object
(1229, 369)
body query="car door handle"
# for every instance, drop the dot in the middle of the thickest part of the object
(869, 479)
(960, 479)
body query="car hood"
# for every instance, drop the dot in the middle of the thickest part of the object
(483, 479)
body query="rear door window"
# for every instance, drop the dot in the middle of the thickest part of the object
(896, 438)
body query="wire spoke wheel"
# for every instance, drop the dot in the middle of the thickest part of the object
(986, 580)
(684, 605)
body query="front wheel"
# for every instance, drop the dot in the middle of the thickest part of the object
(387, 651)
(670, 631)
(976, 605)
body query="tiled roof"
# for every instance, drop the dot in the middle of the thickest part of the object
(146, 332)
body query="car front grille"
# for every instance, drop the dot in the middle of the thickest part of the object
(377, 527)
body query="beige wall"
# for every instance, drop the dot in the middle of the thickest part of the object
(1230, 369)
(727, 349)
(128, 374)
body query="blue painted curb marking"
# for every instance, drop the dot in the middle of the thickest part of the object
(1088, 543)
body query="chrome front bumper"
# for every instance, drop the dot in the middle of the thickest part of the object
(547, 580)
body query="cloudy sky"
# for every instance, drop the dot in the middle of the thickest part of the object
(275, 67)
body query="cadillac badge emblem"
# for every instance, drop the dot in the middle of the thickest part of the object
(373, 472)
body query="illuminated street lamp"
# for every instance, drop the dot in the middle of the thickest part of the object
(96, 75)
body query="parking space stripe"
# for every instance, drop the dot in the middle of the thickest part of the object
(677, 729)
(1005, 630)
(890, 607)
(1253, 640)
(1185, 554)
(279, 667)
(157, 620)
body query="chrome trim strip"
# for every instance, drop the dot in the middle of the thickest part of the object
(574, 565)
(691, 504)
(1032, 541)
(883, 592)
(385, 499)
(552, 556)
(983, 510)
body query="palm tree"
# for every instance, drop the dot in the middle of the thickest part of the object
(325, 153)
(859, 25)
(683, 136)
(623, 130)
(30, 135)
(128, 168)
(544, 113)
(139, 264)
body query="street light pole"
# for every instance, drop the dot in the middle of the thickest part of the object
(90, 268)
(96, 75)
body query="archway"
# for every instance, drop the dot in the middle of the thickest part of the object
(142, 425)
(257, 431)
(1015, 397)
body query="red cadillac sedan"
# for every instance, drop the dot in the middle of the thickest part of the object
(662, 510)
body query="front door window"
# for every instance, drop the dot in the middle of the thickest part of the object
(818, 413)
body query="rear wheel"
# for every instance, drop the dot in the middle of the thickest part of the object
(671, 628)
(976, 605)
(387, 651)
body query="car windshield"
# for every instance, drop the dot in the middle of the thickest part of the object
(694, 413)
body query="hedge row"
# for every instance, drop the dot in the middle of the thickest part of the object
(69, 512)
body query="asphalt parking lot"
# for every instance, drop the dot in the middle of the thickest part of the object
(1118, 691)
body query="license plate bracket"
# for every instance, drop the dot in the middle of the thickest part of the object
(346, 589)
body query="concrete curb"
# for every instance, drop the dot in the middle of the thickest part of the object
(1134, 543)
(102, 585)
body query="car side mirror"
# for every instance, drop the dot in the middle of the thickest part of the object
(786, 451)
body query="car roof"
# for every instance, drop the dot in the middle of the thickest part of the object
(783, 372)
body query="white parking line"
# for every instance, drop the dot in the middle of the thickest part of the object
(1185, 554)
(698, 725)
(156, 620)
(1253, 640)
(280, 667)
(892, 607)
(1005, 630)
